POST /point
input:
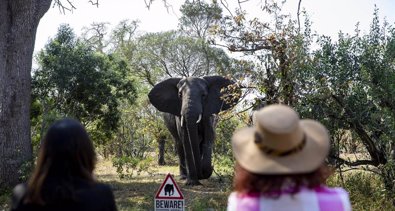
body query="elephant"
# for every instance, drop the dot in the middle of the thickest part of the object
(169, 189)
(190, 106)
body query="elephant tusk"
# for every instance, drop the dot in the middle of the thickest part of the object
(200, 118)
(182, 121)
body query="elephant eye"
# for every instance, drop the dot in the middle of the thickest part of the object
(179, 94)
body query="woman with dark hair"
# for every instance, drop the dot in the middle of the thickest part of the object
(63, 178)
(280, 165)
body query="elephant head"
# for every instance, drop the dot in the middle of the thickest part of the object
(193, 101)
(191, 95)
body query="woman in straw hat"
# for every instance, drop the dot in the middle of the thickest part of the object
(281, 165)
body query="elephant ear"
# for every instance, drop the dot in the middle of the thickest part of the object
(215, 102)
(164, 96)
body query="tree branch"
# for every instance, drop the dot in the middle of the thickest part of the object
(298, 14)
(354, 163)
(96, 3)
(62, 8)
(368, 142)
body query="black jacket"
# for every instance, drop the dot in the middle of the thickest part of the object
(87, 197)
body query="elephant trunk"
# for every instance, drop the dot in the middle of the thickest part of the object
(197, 122)
(192, 149)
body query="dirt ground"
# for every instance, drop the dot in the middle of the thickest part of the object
(138, 192)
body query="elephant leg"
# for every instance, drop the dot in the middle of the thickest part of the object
(207, 168)
(181, 158)
(172, 123)
(207, 148)
(206, 160)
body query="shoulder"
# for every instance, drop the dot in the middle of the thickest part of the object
(336, 198)
(244, 201)
(96, 196)
(96, 191)
(324, 190)
(95, 188)
(102, 187)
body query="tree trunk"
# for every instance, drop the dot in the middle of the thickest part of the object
(18, 24)
(161, 155)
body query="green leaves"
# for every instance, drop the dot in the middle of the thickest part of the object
(75, 81)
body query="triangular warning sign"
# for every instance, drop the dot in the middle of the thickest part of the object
(169, 189)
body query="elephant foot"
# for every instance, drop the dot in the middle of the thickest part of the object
(206, 173)
(161, 163)
(193, 183)
(183, 177)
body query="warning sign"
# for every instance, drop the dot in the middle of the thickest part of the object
(169, 196)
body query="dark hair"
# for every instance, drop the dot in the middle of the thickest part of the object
(273, 185)
(66, 154)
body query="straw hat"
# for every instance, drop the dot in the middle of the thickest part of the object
(281, 143)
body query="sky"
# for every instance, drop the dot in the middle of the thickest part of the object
(328, 16)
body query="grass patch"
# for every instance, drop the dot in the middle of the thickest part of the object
(5, 200)
(365, 189)
(138, 192)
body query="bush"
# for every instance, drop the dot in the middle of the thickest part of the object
(366, 190)
(128, 166)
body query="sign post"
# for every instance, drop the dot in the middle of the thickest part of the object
(169, 196)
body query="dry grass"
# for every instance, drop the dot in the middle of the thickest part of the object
(138, 192)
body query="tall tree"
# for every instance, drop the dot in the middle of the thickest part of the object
(19, 20)
(18, 25)
(350, 87)
(198, 17)
(171, 54)
(74, 80)
(275, 45)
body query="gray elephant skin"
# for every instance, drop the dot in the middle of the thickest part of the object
(190, 105)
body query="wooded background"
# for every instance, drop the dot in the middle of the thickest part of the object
(102, 78)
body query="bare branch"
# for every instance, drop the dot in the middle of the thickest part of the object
(254, 48)
(96, 3)
(168, 6)
(63, 8)
(298, 14)
(226, 6)
(354, 163)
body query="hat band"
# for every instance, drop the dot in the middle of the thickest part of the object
(278, 153)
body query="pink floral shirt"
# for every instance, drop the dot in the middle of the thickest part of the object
(319, 199)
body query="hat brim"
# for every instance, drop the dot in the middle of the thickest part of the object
(306, 160)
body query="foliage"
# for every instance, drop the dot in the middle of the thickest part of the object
(127, 166)
(365, 189)
(5, 199)
(75, 81)
(347, 85)
(350, 87)
(274, 46)
(171, 54)
(198, 17)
